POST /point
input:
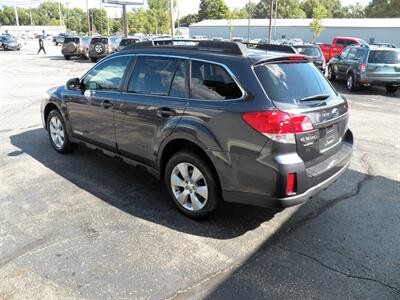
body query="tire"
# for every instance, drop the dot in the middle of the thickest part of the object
(350, 82)
(200, 187)
(92, 59)
(331, 73)
(58, 134)
(67, 57)
(391, 89)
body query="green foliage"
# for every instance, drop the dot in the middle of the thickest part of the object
(319, 12)
(212, 9)
(188, 19)
(383, 9)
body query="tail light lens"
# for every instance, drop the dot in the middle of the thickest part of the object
(362, 67)
(277, 125)
(290, 182)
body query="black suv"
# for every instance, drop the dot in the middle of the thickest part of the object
(372, 65)
(214, 120)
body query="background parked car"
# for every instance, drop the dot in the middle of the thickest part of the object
(100, 47)
(372, 65)
(127, 41)
(59, 39)
(75, 46)
(337, 46)
(9, 43)
(115, 41)
(315, 53)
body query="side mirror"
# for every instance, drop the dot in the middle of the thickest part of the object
(73, 84)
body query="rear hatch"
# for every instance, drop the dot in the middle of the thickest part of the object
(297, 88)
(383, 64)
(70, 44)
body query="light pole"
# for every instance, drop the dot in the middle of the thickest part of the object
(16, 15)
(248, 21)
(88, 17)
(276, 16)
(271, 3)
(171, 13)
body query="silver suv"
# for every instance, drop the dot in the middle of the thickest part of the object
(76, 46)
(100, 47)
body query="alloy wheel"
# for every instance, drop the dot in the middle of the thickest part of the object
(189, 186)
(57, 132)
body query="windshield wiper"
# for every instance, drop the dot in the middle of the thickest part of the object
(315, 97)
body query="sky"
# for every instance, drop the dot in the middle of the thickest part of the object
(185, 6)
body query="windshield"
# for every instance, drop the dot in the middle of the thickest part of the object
(309, 51)
(290, 82)
(384, 57)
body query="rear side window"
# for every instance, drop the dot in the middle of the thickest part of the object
(384, 57)
(212, 82)
(341, 43)
(158, 76)
(355, 54)
(99, 40)
(310, 51)
(290, 82)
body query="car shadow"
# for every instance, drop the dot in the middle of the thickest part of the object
(135, 191)
(340, 86)
(74, 59)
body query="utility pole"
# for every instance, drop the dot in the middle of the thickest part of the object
(16, 15)
(276, 17)
(88, 18)
(59, 12)
(248, 21)
(124, 21)
(271, 3)
(171, 13)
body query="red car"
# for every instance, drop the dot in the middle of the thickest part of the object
(337, 46)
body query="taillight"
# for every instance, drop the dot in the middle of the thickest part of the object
(277, 125)
(290, 182)
(362, 67)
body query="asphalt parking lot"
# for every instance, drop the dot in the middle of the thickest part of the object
(88, 226)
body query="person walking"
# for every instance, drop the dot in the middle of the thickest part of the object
(41, 45)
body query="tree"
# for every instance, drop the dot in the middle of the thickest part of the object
(261, 10)
(290, 9)
(229, 16)
(332, 7)
(319, 12)
(99, 20)
(188, 19)
(212, 9)
(383, 9)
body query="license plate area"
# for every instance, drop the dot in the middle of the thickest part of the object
(328, 136)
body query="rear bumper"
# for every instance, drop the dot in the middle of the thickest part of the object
(387, 80)
(268, 186)
(259, 200)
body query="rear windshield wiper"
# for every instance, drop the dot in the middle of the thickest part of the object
(315, 97)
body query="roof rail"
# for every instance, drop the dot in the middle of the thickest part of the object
(273, 47)
(224, 47)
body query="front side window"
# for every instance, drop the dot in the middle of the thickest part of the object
(164, 76)
(107, 76)
(212, 82)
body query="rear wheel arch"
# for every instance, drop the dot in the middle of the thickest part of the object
(181, 144)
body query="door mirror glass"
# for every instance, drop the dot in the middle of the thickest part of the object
(73, 84)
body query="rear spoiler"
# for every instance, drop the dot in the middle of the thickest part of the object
(283, 59)
(272, 47)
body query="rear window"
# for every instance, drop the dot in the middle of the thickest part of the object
(384, 57)
(71, 40)
(309, 51)
(290, 82)
(99, 40)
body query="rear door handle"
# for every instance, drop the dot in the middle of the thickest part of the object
(165, 112)
(107, 104)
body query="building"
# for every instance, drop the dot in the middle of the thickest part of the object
(381, 30)
(31, 30)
